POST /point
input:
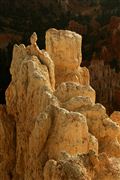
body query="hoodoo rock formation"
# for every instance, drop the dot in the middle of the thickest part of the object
(66, 56)
(51, 128)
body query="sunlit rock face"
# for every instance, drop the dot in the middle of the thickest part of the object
(115, 116)
(67, 57)
(51, 127)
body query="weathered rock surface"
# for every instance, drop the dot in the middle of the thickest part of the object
(115, 116)
(67, 57)
(55, 133)
(29, 92)
(68, 90)
(83, 167)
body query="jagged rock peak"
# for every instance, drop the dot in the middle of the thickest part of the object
(51, 128)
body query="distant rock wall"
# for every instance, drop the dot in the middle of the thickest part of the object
(106, 82)
(51, 128)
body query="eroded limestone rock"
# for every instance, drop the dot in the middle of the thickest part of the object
(70, 134)
(115, 116)
(68, 90)
(55, 133)
(83, 167)
(64, 48)
(103, 128)
(28, 94)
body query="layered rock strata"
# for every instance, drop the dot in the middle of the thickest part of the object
(51, 128)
